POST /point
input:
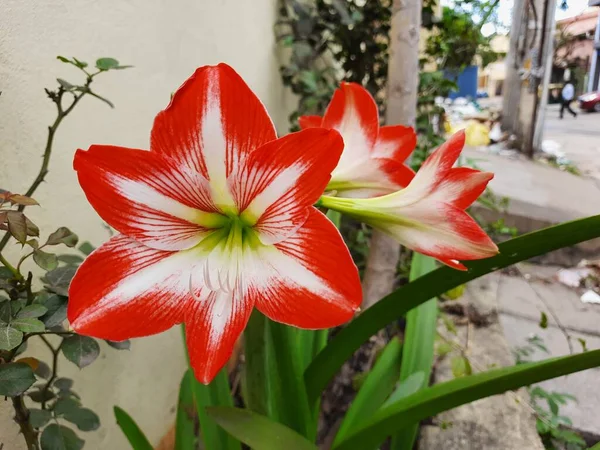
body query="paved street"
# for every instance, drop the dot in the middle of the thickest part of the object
(578, 137)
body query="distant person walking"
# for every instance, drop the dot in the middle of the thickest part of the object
(568, 93)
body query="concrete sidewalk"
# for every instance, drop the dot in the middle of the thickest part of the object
(539, 191)
(522, 299)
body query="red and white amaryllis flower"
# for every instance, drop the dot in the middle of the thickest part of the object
(372, 163)
(216, 219)
(428, 216)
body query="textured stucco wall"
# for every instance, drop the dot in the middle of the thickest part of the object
(165, 41)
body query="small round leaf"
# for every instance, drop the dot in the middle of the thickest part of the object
(80, 350)
(59, 437)
(15, 378)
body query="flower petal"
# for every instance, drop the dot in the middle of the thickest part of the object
(213, 324)
(309, 280)
(213, 121)
(435, 169)
(310, 122)
(353, 113)
(284, 178)
(398, 174)
(395, 142)
(441, 231)
(145, 196)
(125, 289)
(462, 186)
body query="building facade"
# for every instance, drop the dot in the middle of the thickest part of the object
(594, 79)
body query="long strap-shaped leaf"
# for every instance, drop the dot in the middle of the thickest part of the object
(445, 396)
(216, 393)
(185, 438)
(257, 431)
(131, 430)
(398, 303)
(378, 385)
(419, 341)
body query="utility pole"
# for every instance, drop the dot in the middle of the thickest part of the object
(548, 52)
(401, 108)
(528, 68)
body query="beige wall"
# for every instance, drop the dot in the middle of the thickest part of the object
(165, 41)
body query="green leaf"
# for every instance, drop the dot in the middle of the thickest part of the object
(459, 391)
(57, 310)
(15, 378)
(107, 63)
(63, 384)
(460, 366)
(28, 325)
(131, 430)
(86, 248)
(215, 393)
(39, 417)
(419, 344)
(80, 350)
(63, 59)
(43, 370)
(120, 345)
(85, 419)
(185, 437)
(47, 261)
(70, 259)
(349, 339)
(65, 84)
(543, 320)
(407, 387)
(32, 228)
(257, 431)
(63, 236)
(296, 412)
(40, 395)
(6, 312)
(9, 337)
(32, 311)
(66, 405)
(17, 225)
(80, 64)
(378, 385)
(59, 437)
(59, 279)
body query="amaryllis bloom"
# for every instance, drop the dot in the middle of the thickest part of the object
(216, 219)
(372, 163)
(428, 216)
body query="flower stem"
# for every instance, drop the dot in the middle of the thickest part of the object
(10, 267)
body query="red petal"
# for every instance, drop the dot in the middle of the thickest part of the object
(125, 290)
(353, 112)
(463, 185)
(285, 177)
(314, 283)
(310, 122)
(213, 119)
(145, 196)
(443, 232)
(399, 175)
(213, 324)
(395, 142)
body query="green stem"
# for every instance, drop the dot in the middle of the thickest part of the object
(61, 114)
(10, 267)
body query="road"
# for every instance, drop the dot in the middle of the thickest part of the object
(578, 137)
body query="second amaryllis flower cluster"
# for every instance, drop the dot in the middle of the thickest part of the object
(218, 217)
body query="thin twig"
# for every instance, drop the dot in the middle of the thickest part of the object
(61, 114)
(55, 352)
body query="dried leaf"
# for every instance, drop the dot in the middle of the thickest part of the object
(17, 199)
(17, 225)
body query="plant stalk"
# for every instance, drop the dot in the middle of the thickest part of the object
(22, 418)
